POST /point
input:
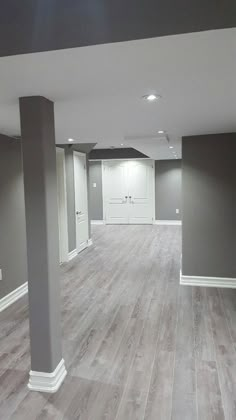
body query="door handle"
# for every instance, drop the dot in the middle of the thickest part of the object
(78, 212)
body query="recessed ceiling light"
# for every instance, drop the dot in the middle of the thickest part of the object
(151, 97)
(122, 144)
(70, 140)
(171, 147)
(161, 132)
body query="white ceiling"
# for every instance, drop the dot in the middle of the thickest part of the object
(97, 90)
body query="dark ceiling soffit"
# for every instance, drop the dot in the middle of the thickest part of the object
(124, 153)
(8, 139)
(78, 147)
(210, 136)
(29, 26)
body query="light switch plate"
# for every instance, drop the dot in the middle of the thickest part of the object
(177, 211)
(94, 184)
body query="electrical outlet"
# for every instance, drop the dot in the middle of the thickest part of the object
(177, 211)
(94, 184)
(0, 274)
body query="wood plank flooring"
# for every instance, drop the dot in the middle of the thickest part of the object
(137, 345)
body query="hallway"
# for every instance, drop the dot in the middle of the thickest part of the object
(137, 345)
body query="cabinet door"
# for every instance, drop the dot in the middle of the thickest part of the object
(115, 192)
(141, 191)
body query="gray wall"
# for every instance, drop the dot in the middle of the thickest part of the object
(12, 213)
(13, 255)
(95, 193)
(168, 189)
(209, 174)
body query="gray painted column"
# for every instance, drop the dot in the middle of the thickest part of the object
(39, 164)
(209, 181)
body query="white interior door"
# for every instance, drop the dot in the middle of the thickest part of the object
(128, 188)
(115, 192)
(141, 191)
(81, 201)
(62, 205)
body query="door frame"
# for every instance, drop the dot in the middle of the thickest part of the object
(153, 185)
(62, 205)
(86, 189)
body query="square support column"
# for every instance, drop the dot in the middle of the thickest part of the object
(39, 164)
(209, 204)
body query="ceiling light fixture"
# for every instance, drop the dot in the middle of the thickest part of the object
(151, 97)
(171, 147)
(122, 144)
(161, 132)
(70, 140)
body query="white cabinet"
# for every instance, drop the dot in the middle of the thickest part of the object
(128, 191)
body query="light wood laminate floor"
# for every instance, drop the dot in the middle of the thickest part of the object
(137, 345)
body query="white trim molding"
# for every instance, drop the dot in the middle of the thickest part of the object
(97, 222)
(13, 296)
(168, 222)
(224, 282)
(90, 242)
(72, 254)
(48, 382)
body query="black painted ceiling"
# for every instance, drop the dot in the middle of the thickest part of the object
(41, 25)
(119, 153)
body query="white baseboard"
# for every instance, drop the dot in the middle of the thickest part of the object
(225, 282)
(72, 254)
(48, 382)
(168, 222)
(97, 222)
(13, 296)
(90, 242)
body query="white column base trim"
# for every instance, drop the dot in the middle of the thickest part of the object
(97, 222)
(72, 254)
(48, 382)
(13, 296)
(225, 282)
(168, 222)
(90, 242)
